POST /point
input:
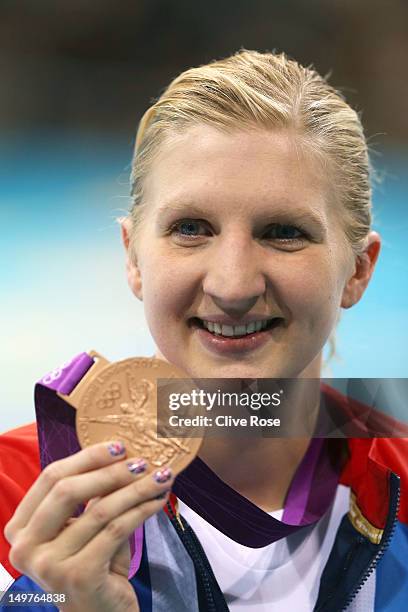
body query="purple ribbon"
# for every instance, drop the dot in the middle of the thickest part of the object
(310, 495)
(56, 428)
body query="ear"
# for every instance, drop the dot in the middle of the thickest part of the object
(132, 268)
(363, 269)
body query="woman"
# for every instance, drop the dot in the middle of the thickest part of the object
(250, 230)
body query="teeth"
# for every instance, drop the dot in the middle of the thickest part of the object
(217, 328)
(235, 330)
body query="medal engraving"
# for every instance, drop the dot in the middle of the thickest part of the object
(120, 403)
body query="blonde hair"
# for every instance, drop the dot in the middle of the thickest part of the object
(272, 91)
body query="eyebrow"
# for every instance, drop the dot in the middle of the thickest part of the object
(281, 212)
(181, 207)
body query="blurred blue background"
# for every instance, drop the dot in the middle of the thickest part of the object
(75, 84)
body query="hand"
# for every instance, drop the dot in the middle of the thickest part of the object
(87, 559)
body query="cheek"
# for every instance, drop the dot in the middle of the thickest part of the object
(168, 291)
(311, 290)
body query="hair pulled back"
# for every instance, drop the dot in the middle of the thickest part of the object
(272, 91)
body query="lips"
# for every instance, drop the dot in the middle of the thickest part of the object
(235, 330)
(224, 345)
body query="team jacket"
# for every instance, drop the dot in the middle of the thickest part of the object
(367, 570)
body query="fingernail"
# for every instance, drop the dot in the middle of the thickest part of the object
(116, 448)
(163, 495)
(162, 475)
(138, 466)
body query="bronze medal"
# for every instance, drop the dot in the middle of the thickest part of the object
(118, 401)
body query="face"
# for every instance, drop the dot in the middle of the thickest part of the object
(241, 260)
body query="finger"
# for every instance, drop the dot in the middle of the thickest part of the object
(120, 563)
(88, 505)
(91, 503)
(110, 509)
(62, 500)
(104, 546)
(95, 456)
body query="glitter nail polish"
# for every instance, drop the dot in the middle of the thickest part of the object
(138, 466)
(162, 475)
(116, 448)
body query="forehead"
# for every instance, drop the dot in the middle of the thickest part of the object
(249, 169)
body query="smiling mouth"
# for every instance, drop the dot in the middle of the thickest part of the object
(236, 331)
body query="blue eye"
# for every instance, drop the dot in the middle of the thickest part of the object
(285, 232)
(189, 227)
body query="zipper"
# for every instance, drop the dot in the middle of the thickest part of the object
(200, 561)
(177, 513)
(222, 607)
(177, 524)
(395, 495)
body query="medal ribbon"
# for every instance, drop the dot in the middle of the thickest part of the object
(56, 428)
(310, 495)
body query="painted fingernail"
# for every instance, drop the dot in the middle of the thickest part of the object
(138, 466)
(162, 475)
(163, 495)
(116, 448)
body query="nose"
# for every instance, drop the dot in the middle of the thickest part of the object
(235, 277)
